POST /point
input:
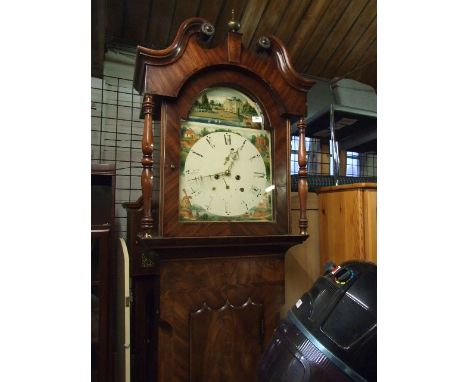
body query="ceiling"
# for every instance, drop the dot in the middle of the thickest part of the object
(325, 38)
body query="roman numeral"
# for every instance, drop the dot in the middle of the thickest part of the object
(227, 139)
(208, 139)
(197, 178)
(200, 155)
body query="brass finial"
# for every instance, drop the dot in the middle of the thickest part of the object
(233, 25)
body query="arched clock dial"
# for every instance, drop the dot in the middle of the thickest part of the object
(225, 176)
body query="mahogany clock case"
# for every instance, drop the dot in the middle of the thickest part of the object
(171, 116)
(208, 294)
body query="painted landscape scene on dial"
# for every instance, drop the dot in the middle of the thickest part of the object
(226, 106)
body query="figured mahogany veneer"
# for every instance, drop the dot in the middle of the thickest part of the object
(210, 347)
(230, 337)
(187, 50)
(174, 337)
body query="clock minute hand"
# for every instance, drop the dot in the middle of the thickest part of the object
(209, 175)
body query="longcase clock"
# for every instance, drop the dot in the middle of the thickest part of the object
(221, 226)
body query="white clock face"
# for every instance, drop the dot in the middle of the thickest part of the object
(225, 175)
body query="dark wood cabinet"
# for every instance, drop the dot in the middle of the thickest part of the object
(100, 241)
(102, 214)
(102, 193)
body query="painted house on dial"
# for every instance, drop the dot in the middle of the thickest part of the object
(233, 105)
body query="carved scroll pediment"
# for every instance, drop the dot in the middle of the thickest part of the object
(164, 72)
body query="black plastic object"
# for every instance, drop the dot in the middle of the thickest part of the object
(330, 335)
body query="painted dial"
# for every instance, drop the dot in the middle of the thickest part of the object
(225, 174)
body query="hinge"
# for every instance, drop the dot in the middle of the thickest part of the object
(129, 299)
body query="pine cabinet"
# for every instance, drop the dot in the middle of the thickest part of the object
(348, 223)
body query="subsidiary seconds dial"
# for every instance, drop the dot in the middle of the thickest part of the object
(224, 174)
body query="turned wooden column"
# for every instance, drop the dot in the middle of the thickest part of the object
(303, 186)
(147, 162)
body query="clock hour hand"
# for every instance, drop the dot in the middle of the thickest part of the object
(233, 155)
(222, 173)
(229, 156)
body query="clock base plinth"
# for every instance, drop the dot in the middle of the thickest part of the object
(219, 302)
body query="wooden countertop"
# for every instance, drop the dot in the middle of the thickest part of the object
(347, 187)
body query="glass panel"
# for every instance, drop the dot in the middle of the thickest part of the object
(228, 107)
(225, 160)
(352, 163)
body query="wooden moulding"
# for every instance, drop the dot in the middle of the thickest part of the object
(284, 64)
(347, 187)
(164, 72)
(219, 246)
